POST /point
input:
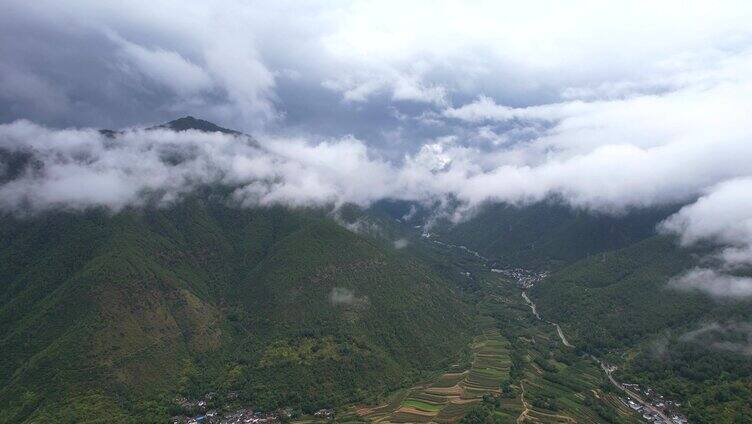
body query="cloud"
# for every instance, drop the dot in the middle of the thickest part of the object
(231, 60)
(732, 336)
(485, 109)
(342, 296)
(590, 158)
(126, 65)
(401, 243)
(400, 87)
(712, 282)
(607, 107)
(166, 67)
(28, 88)
(722, 216)
(82, 168)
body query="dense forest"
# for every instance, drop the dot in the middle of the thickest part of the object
(114, 315)
(548, 234)
(685, 344)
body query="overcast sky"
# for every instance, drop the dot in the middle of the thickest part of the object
(607, 105)
(383, 71)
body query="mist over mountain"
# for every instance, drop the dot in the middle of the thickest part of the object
(423, 212)
(190, 123)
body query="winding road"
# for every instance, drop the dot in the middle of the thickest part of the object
(605, 367)
(608, 370)
(535, 312)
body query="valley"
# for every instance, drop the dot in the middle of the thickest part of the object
(388, 212)
(522, 369)
(518, 368)
(207, 312)
(433, 402)
(421, 403)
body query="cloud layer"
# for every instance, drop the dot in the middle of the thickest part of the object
(370, 69)
(608, 107)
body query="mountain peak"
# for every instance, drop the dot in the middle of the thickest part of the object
(191, 123)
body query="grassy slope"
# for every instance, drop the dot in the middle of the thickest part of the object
(105, 317)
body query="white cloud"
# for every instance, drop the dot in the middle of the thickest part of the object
(730, 336)
(167, 67)
(401, 243)
(400, 87)
(607, 106)
(342, 296)
(714, 283)
(82, 168)
(432, 53)
(722, 216)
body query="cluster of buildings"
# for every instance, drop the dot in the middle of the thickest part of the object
(239, 416)
(193, 404)
(525, 278)
(668, 408)
(200, 414)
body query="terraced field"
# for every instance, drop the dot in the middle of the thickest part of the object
(449, 397)
(520, 372)
(548, 381)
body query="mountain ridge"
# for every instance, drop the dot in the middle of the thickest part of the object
(188, 122)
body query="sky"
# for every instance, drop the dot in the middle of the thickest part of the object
(606, 105)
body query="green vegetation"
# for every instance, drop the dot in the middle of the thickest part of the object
(549, 234)
(423, 406)
(618, 305)
(110, 317)
(519, 370)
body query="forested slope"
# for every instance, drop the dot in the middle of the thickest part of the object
(685, 344)
(110, 316)
(549, 234)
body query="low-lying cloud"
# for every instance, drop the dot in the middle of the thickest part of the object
(710, 173)
(608, 157)
(723, 216)
(732, 336)
(401, 243)
(77, 169)
(714, 283)
(342, 296)
(431, 102)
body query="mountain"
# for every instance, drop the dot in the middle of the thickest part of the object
(548, 234)
(626, 289)
(190, 123)
(609, 291)
(108, 317)
(684, 344)
(133, 316)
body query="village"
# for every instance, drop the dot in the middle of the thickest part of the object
(525, 278)
(657, 410)
(652, 407)
(645, 401)
(198, 412)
